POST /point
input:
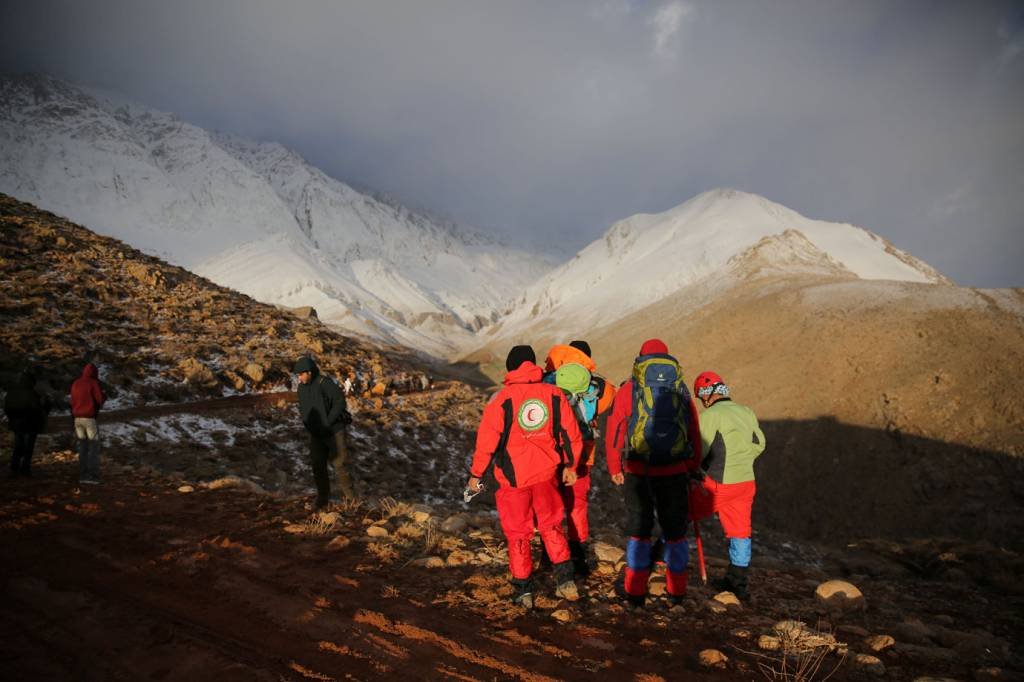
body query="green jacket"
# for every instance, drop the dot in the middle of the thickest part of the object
(732, 441)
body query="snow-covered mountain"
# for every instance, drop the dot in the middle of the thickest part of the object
(252, 216)
(703, 245)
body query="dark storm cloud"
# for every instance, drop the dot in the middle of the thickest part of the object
(541, 119)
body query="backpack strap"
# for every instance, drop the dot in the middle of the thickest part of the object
(563, 444)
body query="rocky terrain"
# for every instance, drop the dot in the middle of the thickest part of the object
(197, 558)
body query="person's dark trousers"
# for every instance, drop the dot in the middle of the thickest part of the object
(21, 458)
(319, 452)
(645, 497)
(342, 464)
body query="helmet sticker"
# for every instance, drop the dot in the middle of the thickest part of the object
(533, 414)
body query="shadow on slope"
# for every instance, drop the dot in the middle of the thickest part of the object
(832, 482)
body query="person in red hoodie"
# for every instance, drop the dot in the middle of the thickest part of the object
(87, 398)
(528, 431)
(652, 444)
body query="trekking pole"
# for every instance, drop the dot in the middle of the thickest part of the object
(700, 552)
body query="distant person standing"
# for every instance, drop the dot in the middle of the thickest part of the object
(732, 440)
(26, 414)
(325, 415)
(87, 398)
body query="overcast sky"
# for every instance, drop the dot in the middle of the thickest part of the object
(547, 121)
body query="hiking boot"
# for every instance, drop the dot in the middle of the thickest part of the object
(636, 601)
(578, 554)
(545, 561)
(525, 600)
(735, 581)
(567, 591)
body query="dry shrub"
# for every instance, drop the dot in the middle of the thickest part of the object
(801, 656)
(390, 507)
(384, 553)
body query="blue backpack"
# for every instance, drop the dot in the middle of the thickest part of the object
(658, 427)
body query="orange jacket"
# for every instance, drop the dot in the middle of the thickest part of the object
(561, 354)
(528, 429)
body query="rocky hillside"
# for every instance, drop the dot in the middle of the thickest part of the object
(157, 332)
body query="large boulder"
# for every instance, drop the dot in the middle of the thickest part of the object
(840, 595)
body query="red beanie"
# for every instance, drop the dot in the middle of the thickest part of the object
(654, 346)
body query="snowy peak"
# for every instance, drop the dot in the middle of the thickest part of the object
(721, 233)
(254, 216)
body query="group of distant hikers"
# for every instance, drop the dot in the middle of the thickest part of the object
(540, 433)
(27, 412)
(673, 465)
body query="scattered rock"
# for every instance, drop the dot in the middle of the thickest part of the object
(852, 630)
(562, 615)
(928, 655)
(769, 643)
(186, 489)
(421, 513)
(454, 524)
(839, 594)
(254, 371)
(235, 482)
(656, 588)
(879, 642)
(727, 599)
(295, 529)
(915, 632)
(715, 607)
(377, 532)
(196, 373)
(610, 553)
(712, 658)
(338, 543)
(741, 633)
(869, 664)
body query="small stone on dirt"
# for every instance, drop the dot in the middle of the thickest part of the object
(377, 532)
(713, 658)
(715, 607)
(656, 589)
(340, 542)
(769, 643)
(839, 594)
(879, 642)
(329, 518)
(186, 489)
(294, 529)
(727, 598)
(740, 633)
(869, 664)
(605, 552)
(454, 524)
(562, 615)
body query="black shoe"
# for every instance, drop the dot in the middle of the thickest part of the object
(637, 602)
(578, 554)
(735, 581)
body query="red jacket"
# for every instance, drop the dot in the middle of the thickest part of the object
(86, 395)
(615, 440)
(518, 432)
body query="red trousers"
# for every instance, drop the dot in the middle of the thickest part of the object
(517, 509)
(732, 502)
(574, 497)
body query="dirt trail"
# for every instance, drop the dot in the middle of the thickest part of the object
(134, 580)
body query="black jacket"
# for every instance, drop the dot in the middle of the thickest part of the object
(26, 411)
(321, 402)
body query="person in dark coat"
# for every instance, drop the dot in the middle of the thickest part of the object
(26, 414)
(325, 415)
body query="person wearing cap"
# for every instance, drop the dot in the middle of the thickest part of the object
(732, 440)
(576, 373)
(325, 415)
(528, 432)
(653, 466)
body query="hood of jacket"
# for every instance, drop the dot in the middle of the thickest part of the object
(527, 373)
(306, 364)
(90, 371)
